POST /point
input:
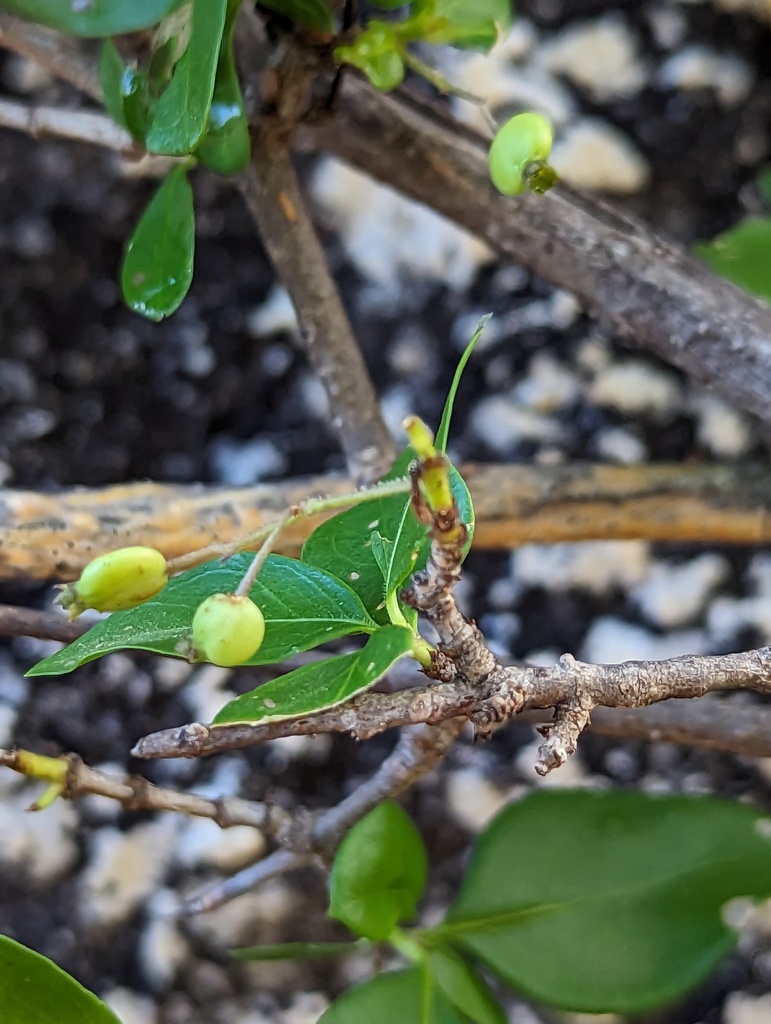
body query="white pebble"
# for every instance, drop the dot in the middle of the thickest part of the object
(124, 868)
(8, 717)
(275, 314)
(130, 1007)
(620, 445)
(240, 463)
(674, 595)
(595, 155)
(601, 56)
(699, 67)
(635, 388)
(239, 922)
(473, 800)
(596, 566)
(38, 844)
(725, 431)
(502, 423)
(611, 640)
(548, 386)
(162, 948)
(203, 843)
(741, 1008)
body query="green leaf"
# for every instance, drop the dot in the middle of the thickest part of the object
(743, 255)
(464, 987)
(405, 996)
(608, 902)
(95, 18)
(303, 607)
(457, 22)
(180, 115)
(322, 685)
(225, 148)
(313, 14)
(443, 432)
(379, 873)
(33, 990)
(158, 266)
(300, 950)
(377, 51)
(125, 91)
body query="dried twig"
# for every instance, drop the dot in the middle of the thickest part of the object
(43, 625)
(645, 288)
(53, 536)
(76, 125)
(57, 53)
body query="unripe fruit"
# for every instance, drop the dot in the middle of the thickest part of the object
(118, 580)
(227, 630)
(518, 155)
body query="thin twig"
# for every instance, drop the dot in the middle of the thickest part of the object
(645, 288)
(273, 196)
(136, 793)
(75, 125)
(57, 53)
(53, 536)
(43, 625)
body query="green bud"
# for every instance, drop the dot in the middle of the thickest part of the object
(227, 630)
(115, 581)
(518, 155)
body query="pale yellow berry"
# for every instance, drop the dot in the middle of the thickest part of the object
(118, 580)
(227, 630)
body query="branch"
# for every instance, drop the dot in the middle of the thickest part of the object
(76, 125)
(53, 536)
(273, 196)
(57, 53)
(43, 625)
(643, 287)
(136, 793)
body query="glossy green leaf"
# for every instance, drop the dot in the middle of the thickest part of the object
(182, 111)
(225, 148)
(313, 14)
(322, 685)
(466, 25)
(379, 873)
(125, 91)
(303, 607)
(95, 18)
(743, 255)
(158, 266)
(33, 990)
(464, 987)
(377, 52)
(608, 901)
(404, 996)
(443, 431)
(300, 950)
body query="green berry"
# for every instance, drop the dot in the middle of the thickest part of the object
(518, 155)
(118, 580)
(227, 630)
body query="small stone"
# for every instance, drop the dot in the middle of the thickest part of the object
(618, 444)
(125, 868)
(275, 314)
(40, 845)
(741, 1008)
(601, 56)
(162, 948)
(472, 800)
(549, 386)
(595, 155)
(503, 424)
(8, 716)
(674, 595)
(130, 1007)
(203, 843)
(725, 431)
(699, 67)
(611, 640)
(635, 388)
(251, 919)
(596, 566)
(240, 463)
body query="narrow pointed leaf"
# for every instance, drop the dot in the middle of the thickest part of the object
(322, 685)
(158, 267)
(303, 607)
(608, 902)
(404, 996)
(95, 18)
(125, 91)
(111, 69)
(443, 431)
(33, 990)
(379, 873)
(180, 115)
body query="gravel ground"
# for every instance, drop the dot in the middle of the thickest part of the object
(663, 105)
